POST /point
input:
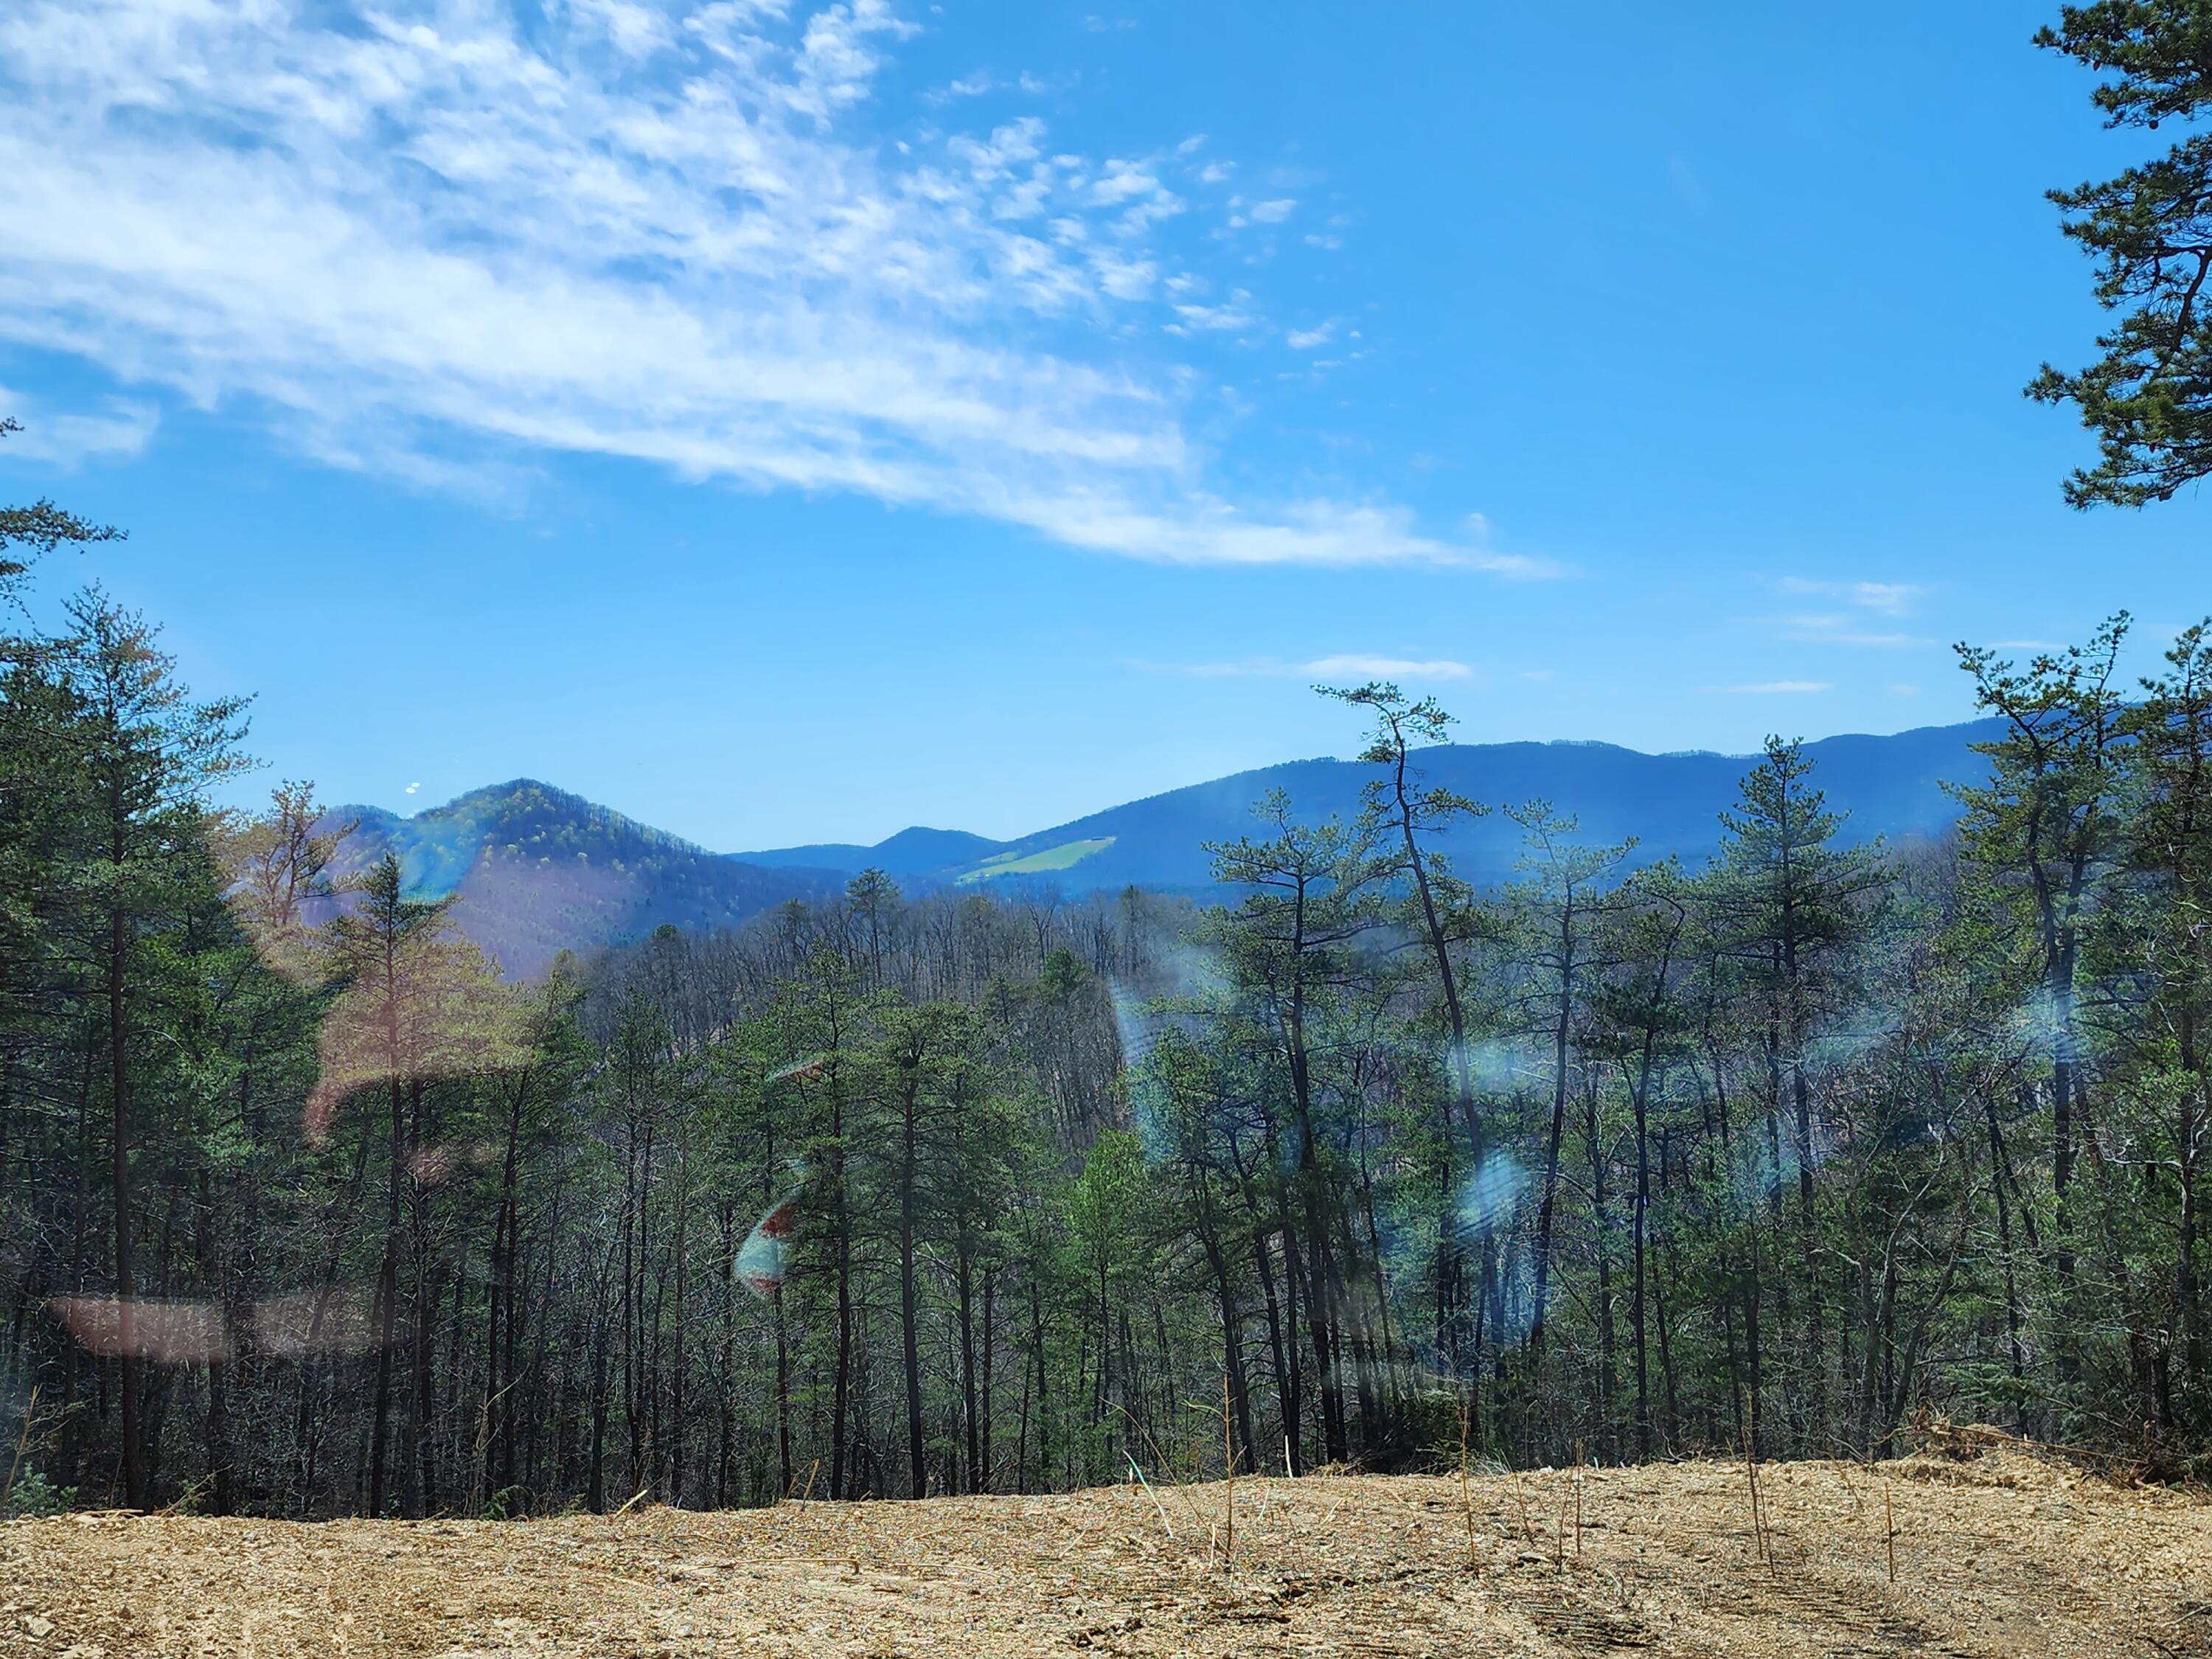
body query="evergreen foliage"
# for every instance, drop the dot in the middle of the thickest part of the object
(309, 1211)
(2149, 397)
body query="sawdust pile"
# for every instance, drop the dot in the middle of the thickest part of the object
(1998, 1553)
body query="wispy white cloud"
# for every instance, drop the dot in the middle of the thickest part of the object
(1350, 665)
(1122, 181)
(1864, 602)
(420, 236)
(1274, 212)
(1846, 630)
(67, 438)
(1209, 530)
(1232, 315)
(1890, 599)
(1388, 668)
(1307, 339)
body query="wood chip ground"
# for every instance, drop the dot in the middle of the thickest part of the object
(2006, 1555)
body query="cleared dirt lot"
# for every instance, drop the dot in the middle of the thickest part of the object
(2003, 1554)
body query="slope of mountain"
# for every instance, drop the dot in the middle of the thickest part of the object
(912, 851)
(538, 870)
(1889, 786)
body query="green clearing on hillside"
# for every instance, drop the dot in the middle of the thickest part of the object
(1062, 857)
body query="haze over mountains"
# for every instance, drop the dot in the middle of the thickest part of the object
(539, 870)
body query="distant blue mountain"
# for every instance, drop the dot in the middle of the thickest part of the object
(535, 870)
(538, 869)
(915, 852)
(1889, 786)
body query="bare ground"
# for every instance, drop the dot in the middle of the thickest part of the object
(2004, 1554)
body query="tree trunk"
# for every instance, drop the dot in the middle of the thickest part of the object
(909, 1293)
(387, 1293)
(126, 1291)
(964, 1275)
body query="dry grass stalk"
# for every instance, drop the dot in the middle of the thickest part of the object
(1578, 1500)
(1162, 1461)
(1138, 1475)
(1889, 1529)
(1229, 1468)
(1751, 1475)
(1843, 1468)
(1466, 1496)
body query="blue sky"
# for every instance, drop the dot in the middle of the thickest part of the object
(792, 422)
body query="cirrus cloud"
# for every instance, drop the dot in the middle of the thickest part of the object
(65, 438)
(661, 230)
(1348, 665)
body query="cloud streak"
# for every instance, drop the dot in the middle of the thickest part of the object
(1841, 630)
(1889, 598)
(67, 438)
(1349, 665)
(651, 229)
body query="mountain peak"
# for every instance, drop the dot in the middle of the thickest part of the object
(538, 868)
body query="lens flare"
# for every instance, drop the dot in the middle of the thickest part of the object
(1486, 1197)
(762, 1259)
(303, 1326)
(296, 1327)
(166, 1332)
(812, 1065)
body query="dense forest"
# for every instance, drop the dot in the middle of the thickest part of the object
(307, 1210)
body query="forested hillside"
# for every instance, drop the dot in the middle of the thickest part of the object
(913, 852)
(535, 871)
(1668, 803)
(539, 870)
(309, 1211)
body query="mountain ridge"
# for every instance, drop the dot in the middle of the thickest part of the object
(535, 870)
(914, 850)
(538, 869)
(1890, 784)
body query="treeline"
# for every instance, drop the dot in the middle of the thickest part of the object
(304, 1210)
(309, 1211)
(1634, 1161)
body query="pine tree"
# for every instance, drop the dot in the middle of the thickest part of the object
(2149, 398)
